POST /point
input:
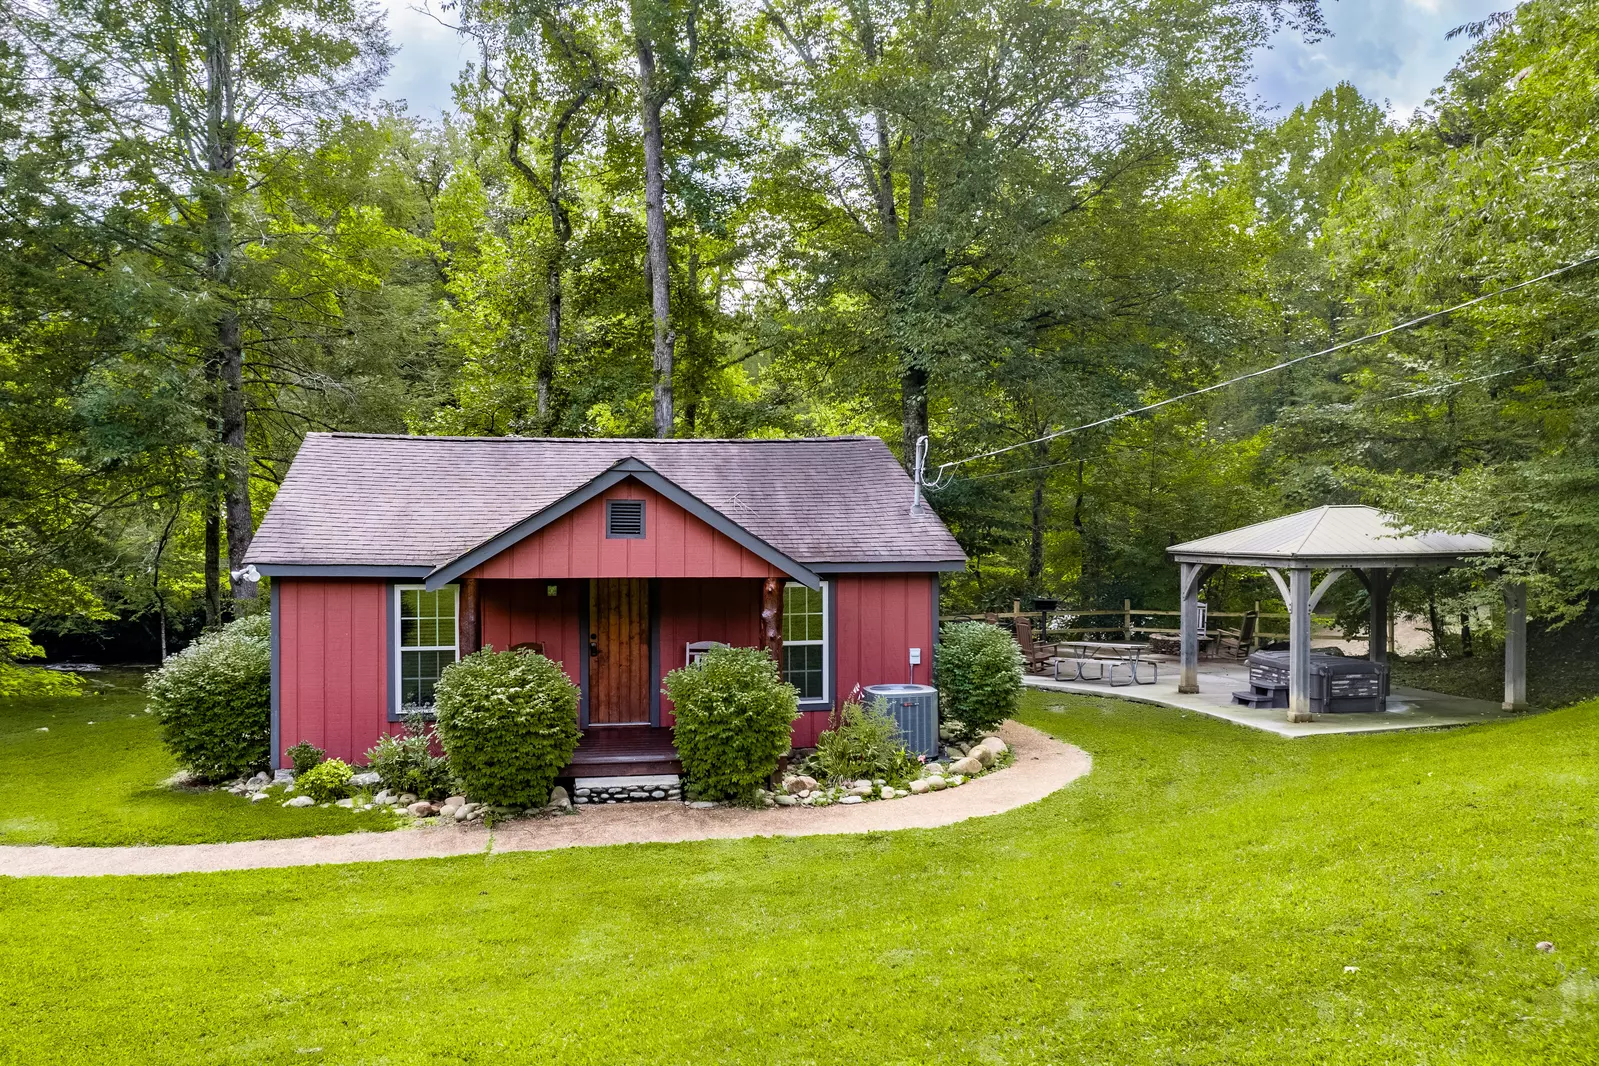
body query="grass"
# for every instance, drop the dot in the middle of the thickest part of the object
(1562, 667)
(91, 770)
(1208, 895)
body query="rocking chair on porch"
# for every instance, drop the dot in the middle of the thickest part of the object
(1036, 657)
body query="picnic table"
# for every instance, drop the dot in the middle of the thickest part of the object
(1106, 655)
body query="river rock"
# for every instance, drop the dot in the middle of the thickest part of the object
(422, 809)
(919, 786)
(967, 765)
(983, 755)
(366, 779)
(936, 783)
(786, 800)
(345, 803)
(300, 801)
(852, 798)
(994, 744)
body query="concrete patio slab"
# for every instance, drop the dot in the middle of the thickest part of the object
(1408, 708)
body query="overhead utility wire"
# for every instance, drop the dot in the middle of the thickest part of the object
(1430, 390)
(939, 482)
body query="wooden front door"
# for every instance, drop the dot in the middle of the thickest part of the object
(619, 651)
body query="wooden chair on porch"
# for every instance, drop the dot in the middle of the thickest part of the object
(1036, 657)
(1238, 645)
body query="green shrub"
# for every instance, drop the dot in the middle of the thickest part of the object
(977, 669)
(406, 763)
(326, 781)
(214, 700)
(735, 716)
(304, 756)
(508, 724)
(862, 740)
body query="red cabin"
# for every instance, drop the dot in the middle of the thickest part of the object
(392, 556)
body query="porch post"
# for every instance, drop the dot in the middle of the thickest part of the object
(470, 640)
(1188, 649)
(1515, 646)
(772, 618)
(1299, 644)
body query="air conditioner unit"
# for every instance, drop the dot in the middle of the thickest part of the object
(915, 710)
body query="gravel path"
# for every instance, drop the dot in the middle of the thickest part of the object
(1043, 765)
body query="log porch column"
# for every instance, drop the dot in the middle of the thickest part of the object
(1515, 646)
(772, 619)
(471, 638)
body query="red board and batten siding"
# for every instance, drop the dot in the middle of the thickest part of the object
(721, 609)
(334, 673)
(877, 619)
(675, 544)
(333, 664)
(518, 612)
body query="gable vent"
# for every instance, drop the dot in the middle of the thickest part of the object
(624, 518)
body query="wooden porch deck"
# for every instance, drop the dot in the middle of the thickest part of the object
(626, 750)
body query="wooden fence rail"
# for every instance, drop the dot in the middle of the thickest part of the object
(1131, 621)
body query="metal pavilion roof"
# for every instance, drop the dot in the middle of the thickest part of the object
(1334, 535)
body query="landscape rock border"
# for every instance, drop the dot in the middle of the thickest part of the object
(1042, 765)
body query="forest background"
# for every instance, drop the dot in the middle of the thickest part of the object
(979, 222)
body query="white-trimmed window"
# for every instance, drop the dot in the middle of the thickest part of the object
(805, 640)
(428, 640)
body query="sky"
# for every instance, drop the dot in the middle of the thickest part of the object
(1392, 50)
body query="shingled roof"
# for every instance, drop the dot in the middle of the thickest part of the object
(371, 501)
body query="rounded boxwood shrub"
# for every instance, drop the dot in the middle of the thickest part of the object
(214, 700)
(326, 781)
(977, 669)
(507, 721)
(735, 717)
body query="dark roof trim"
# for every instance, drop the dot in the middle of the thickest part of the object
(917, 566)
(619, 472)
(340, 570)
(1324, 562)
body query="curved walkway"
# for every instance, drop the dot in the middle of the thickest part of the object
(1043, 765)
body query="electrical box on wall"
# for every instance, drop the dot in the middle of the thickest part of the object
(916, 656)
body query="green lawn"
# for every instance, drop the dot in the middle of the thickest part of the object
(1199, 898)
(96, 775)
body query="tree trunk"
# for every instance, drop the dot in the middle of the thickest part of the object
(221, 158)
(1465, 635)
(1035, 547)
(1436, 624)
(913, 397)
(213, 546)
(1077, 502)
(659, 263)
(235, 457)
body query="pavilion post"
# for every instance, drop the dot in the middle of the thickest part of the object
(1515, 646)
(1299, 644)
(1188, 649)
(1378, 584)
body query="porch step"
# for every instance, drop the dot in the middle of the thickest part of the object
(636, 781)
(625, 751)
(1268, 697)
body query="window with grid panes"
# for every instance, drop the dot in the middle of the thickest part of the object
(805, 640)
(428, 643)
